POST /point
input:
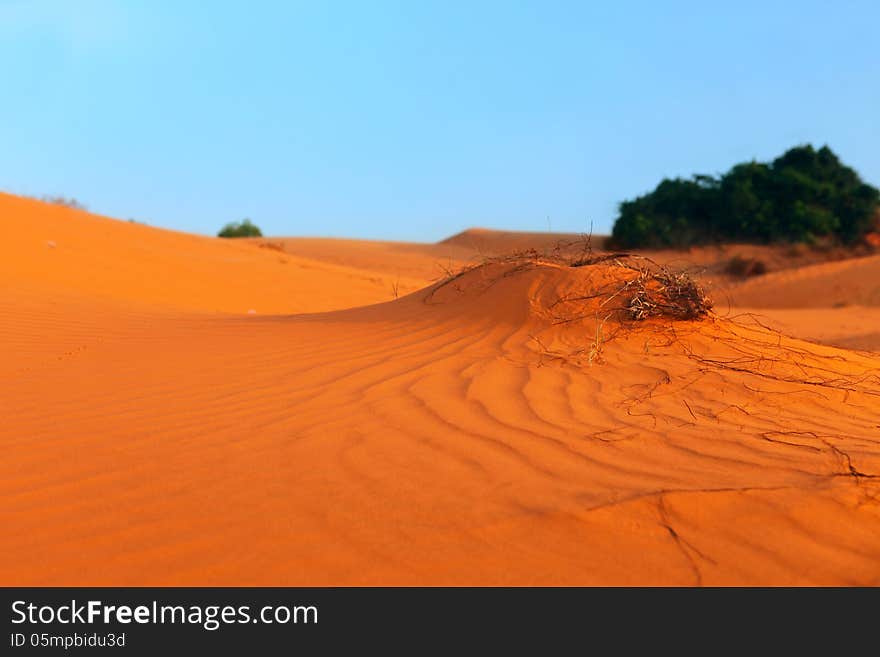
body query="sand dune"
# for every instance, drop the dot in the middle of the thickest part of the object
(483, 430)
(852, 327)
(827, 285)
(61, 251)
(411, 261)
(807, 294)
(494, 242)
(835, 303)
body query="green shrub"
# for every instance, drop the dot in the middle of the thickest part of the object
(804, 195)
(240, 229)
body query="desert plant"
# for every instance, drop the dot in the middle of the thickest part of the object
(644, 290)
(64, 201)
(661, 292)
(802, 196)
(240, 229)
(742, 267)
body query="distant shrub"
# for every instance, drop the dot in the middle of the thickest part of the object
(797, 250)
(240, 229)
(745, 267)
(64, 201)
(803, 196)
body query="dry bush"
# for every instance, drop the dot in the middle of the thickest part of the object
(644, 290)
(63, 201)
(742, 267)
(797, 250)
(654, 291)
(664, 293)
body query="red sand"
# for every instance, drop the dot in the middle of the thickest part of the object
(457, 435)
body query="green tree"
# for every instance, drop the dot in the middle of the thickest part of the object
(802, 195)
(240, 229)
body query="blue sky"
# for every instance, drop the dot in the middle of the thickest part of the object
(413, 120)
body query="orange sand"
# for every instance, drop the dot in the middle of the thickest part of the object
(826, 285)
(836, 303)
(158, 434)
(57, 251)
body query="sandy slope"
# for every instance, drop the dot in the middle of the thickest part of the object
(805, 295)
(411, 261)
(836, 303)
(60, 251)
(459, 435)
(493, 242)
(851, 327)
(826, 285)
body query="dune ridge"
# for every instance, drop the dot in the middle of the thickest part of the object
(494, 242)
(492, 428)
